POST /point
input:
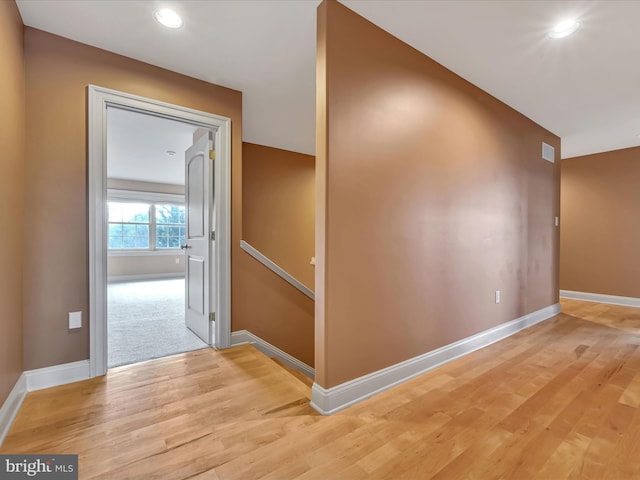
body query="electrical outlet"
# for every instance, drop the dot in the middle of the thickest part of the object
(75, 320)
(557, 221)
(177, 260)
(497, 296)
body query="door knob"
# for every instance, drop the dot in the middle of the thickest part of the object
(182, 247)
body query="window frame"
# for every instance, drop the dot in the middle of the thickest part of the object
(155, 226)
(152, 199)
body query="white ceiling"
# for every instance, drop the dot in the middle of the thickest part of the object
(137, 146)
(584, 88)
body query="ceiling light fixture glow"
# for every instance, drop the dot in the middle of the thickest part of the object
(564, 28)
(168, 18)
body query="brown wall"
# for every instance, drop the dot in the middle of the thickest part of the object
(56, 270)
(12, 131)
(273, 309)
(431, 195)
(278, 220)
(600, 234)
(278, 200)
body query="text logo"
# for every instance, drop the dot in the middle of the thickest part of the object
(51, 467)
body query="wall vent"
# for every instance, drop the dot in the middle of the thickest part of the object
(548, 152)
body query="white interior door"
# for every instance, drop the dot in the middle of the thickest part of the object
(198, 183)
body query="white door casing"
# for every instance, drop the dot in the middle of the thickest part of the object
(99, 99)
(198, 184)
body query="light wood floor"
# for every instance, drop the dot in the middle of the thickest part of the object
(615, 316)
(559, 400)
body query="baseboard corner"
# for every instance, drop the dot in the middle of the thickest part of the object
(11, 406)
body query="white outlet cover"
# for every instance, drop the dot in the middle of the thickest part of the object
(75, 319)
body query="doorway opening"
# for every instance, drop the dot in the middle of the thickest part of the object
(159, 229)
(146, 216)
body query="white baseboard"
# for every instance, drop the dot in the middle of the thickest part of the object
(144, 277)
(601, 298)
(242, 337)
(331, 400)
(39, 379)
(57, 375)
(11, 405)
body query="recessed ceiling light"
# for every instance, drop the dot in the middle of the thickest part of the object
(168, 18)
(171, 153)
(564, 28)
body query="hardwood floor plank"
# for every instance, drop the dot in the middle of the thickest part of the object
(631, 394)
(566, 460)
(465, 464)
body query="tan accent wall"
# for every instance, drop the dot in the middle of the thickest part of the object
(278, 220)
(432, 196)
(58, 72)
(12, 133)
(123, 265)
(600, 227)
(279, 207)
(273, 309)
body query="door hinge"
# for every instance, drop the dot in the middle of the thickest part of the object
(212, 316)
(212, 236)
(212, 154)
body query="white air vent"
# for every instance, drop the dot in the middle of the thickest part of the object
(548, 152)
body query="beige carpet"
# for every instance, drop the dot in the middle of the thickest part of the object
(146, 320)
